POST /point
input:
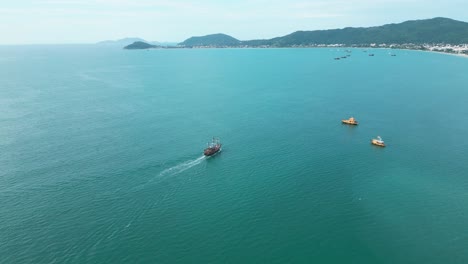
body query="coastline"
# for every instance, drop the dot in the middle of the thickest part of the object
(441, 52)
(462, 55)
(429, 51)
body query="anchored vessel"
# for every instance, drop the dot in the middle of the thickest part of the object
(213, 147)
(350, 121)
(378, 142)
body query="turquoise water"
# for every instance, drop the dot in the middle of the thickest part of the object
(100, 156)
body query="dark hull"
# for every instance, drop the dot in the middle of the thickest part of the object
(212, 151)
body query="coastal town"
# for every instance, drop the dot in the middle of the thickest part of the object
(435, 35)
(461, 49)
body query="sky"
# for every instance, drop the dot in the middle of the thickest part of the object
(90, 21)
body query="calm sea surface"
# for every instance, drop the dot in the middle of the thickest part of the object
(101, 156)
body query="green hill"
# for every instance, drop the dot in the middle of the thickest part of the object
(140, 45)
(435, 30)
(217, 40)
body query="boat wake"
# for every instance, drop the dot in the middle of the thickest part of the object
(181, 167)
(172, 171)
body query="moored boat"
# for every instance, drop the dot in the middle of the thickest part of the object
(378, 142)
(350, 121)
(213, 147)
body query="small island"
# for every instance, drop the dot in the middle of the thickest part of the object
(140, 45)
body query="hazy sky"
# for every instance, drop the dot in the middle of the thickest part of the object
(87, 21)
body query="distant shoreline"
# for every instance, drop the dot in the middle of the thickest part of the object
(441, 52)
(453, 54)
(318, 47)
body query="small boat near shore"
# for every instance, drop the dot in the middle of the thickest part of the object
(213, 147)
(350, 121)
(378, 142)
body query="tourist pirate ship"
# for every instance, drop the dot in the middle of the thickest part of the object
(213, 147)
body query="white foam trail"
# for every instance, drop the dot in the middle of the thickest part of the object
(181, 167)
(172, 171)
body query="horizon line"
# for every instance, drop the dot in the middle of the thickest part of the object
(149, 41)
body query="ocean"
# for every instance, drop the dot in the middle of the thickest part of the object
(101, 156)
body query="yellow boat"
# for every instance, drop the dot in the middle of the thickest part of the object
(350, 121)
(378, 142)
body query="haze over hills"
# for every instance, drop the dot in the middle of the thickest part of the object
(435, 30)
(417, 32)
(121, 42)
(128, 41)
